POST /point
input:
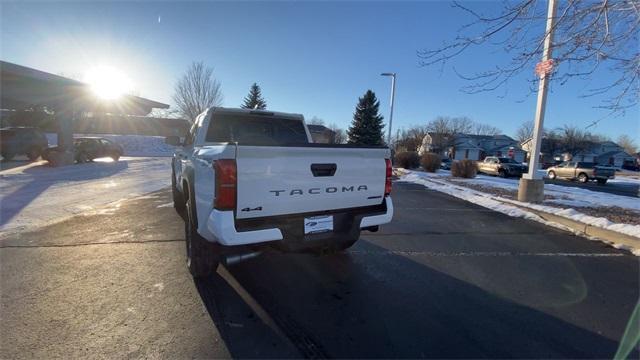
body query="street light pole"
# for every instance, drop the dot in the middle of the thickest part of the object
(393, 95)
(531, 187)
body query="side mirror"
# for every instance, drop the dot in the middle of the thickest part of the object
(173, 140)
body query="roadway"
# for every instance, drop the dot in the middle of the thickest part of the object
(445, 279)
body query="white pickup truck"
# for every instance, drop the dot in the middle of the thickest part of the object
(246, 179)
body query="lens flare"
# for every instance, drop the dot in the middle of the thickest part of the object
(107, 82)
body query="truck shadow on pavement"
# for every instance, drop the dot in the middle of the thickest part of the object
(373, 303)
(244, 334)
(37, 179)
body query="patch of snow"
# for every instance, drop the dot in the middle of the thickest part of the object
(566, 195)
(133, 145)
(37, 194)
(632, 180)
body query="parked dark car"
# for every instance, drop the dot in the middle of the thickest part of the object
(90, 148)
(631, 165)
(22, 141)
(446, 164)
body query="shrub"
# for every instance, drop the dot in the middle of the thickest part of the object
(430, 162)
(464, 169)
(407, 159)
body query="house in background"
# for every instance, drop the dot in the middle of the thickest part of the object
(603, 153)
(550, 151)
(321, 134)
(472, 147)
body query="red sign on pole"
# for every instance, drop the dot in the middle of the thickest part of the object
(510, 152)
(544, 67)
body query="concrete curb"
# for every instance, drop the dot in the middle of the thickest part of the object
(584, 229)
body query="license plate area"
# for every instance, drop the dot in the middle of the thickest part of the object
(318, 224)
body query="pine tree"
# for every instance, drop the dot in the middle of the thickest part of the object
(254, 100)
(366, 127)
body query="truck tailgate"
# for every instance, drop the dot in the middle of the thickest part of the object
(275, 180)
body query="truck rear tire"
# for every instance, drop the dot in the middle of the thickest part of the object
(178, 199)
(502, 173)
(202, 257)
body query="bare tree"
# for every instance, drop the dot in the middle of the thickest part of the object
(339, 135)
(443, 129)
(552, 143)
(627, 143)
(440, 125)
(591, 36)
(196, 90)
(525, 131)
(461, 125)
(411, 139)
(485, 129)
(315, 121)
(574, 140)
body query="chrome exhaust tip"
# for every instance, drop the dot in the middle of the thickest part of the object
(234, 259)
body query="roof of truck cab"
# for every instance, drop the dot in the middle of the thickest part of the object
(257, 112)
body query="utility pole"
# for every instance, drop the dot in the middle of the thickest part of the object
(531, 188)
(393, 95)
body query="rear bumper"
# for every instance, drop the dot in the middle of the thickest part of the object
(222, 228)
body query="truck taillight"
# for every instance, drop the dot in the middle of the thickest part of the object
(387, 183)
(226, 180)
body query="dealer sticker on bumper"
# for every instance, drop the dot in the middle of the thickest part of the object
(318, 224)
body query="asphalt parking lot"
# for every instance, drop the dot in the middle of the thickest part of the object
(445, 279)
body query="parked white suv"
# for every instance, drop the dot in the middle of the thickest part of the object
(245, 179)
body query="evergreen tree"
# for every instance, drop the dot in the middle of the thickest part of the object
(254, 100)
(366, 127)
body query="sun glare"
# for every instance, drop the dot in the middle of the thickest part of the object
(107, 83)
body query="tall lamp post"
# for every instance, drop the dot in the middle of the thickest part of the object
(531, 188)
(393, 95)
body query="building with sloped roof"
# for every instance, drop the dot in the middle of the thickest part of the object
(472, 147)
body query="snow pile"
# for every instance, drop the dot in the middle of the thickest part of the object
(565, 195)
(438, 182)
(133, 145)
(37, 194)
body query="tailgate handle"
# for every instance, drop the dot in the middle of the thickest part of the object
(323, 169)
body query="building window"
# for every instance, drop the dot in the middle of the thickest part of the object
(466, 154)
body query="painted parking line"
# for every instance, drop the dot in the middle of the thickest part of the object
(481, 253)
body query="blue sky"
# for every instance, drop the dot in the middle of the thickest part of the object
(314, 58)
